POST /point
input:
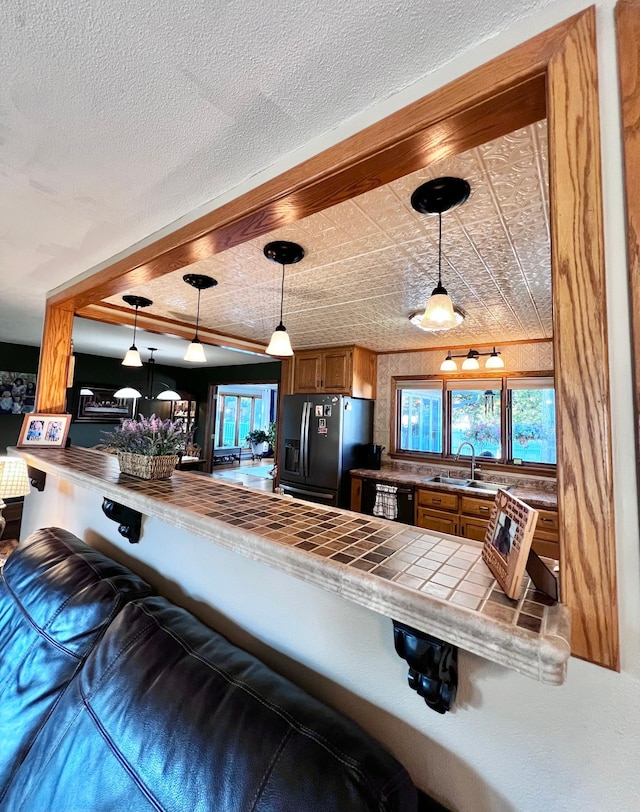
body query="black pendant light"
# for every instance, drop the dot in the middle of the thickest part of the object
(285, 253)
(132, 358)
(195, 351)
(435, 197)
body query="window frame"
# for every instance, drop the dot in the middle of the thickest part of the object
(449, 382)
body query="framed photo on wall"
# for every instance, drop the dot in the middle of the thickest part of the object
(44, 430)
(508, 541)
(17, 392)
(98, 404)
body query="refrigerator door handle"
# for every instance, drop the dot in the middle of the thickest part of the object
(307, 421)
(303, 440)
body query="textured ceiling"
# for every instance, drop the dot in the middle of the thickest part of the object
(373, 260)
(117, 118)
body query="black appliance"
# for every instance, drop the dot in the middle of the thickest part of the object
(404, 495)
(323, 437)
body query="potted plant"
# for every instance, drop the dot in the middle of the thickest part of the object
(149, 447)
(258, 440)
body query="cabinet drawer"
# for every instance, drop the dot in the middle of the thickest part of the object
(437, 499)
(473, 528)
(547, 520)
(476, 507)
(439, 522)
(546, 548)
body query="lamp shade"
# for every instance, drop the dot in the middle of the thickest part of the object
(13, 478)
(280, 345)
(439, 314)
(132, 358)
(168, 394)
(471, 361)
(195, 352)
(494, 361)
(86, 392)
(448, 365)
(127, 393)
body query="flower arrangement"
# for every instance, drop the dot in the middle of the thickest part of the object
(149, 436)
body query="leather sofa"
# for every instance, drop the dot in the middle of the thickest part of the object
(114, 699)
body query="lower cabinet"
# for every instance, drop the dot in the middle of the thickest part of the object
(468, 516)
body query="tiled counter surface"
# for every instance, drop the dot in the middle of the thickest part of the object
(533, 496)
(436, 584)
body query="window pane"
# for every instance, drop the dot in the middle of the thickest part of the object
(421, 420)
(244, 426)
(229, 421)
(257, 414)
(533, 420)
(475, 419)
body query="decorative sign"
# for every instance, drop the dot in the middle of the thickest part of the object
(508, 541)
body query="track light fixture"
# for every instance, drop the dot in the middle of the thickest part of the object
(435, 197)
(285, 253)
(132, 358)
(195, 352)
(471, 361)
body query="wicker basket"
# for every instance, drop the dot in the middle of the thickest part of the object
(147, 467)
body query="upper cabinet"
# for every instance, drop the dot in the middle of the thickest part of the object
(335, 370)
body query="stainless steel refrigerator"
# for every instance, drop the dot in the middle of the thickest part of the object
(323, 437)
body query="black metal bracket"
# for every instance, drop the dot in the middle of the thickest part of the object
(37, 478)
(129, 520)
(433, 665)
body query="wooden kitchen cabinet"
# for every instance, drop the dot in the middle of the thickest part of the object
(335, 370)
(356, 494)
(438, 521)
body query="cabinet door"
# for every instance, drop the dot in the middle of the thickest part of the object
(336, 376)
(473, 528)
(306, 377)
(439, 522)
(356, 494)
(546, 544)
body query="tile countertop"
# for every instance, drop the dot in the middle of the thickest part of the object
(547, 500)
(437, 584)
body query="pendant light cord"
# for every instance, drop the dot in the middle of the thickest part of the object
(198, 314)
(135, 324)
(439, 249)
(282, 293)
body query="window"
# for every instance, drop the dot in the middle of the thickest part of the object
(476, 408)
(421, 417)
(533, 419)
(504, 419)
(237, 415)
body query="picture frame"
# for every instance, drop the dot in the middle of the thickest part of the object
(17, 392)
(44, 430)
(101, 406)
(508, 541)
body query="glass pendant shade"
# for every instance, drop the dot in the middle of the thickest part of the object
(280, 345)
(168, 394)
(132, 358)
(14, 481)
(494, 361)
(439, 314)
(448, 365)
(84, 392)
(471, 361)
(195, 352)
(127, 393)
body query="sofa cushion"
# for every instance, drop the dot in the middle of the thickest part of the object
(57, 596)
(166, 714)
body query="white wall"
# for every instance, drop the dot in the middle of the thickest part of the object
(511, 744)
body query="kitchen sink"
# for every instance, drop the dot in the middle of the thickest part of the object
(476, 484)
(448, 480)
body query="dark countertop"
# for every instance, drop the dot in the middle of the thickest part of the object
(536, 497)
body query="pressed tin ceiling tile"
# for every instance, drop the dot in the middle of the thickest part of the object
(371, 261)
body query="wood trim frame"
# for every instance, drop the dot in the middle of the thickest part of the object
(628, 36)
(553, 73)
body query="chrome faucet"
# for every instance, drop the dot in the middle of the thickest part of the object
(473, 457)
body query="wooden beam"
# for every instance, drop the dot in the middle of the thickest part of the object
(113, 314)
(54, 360)
(584, 469)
